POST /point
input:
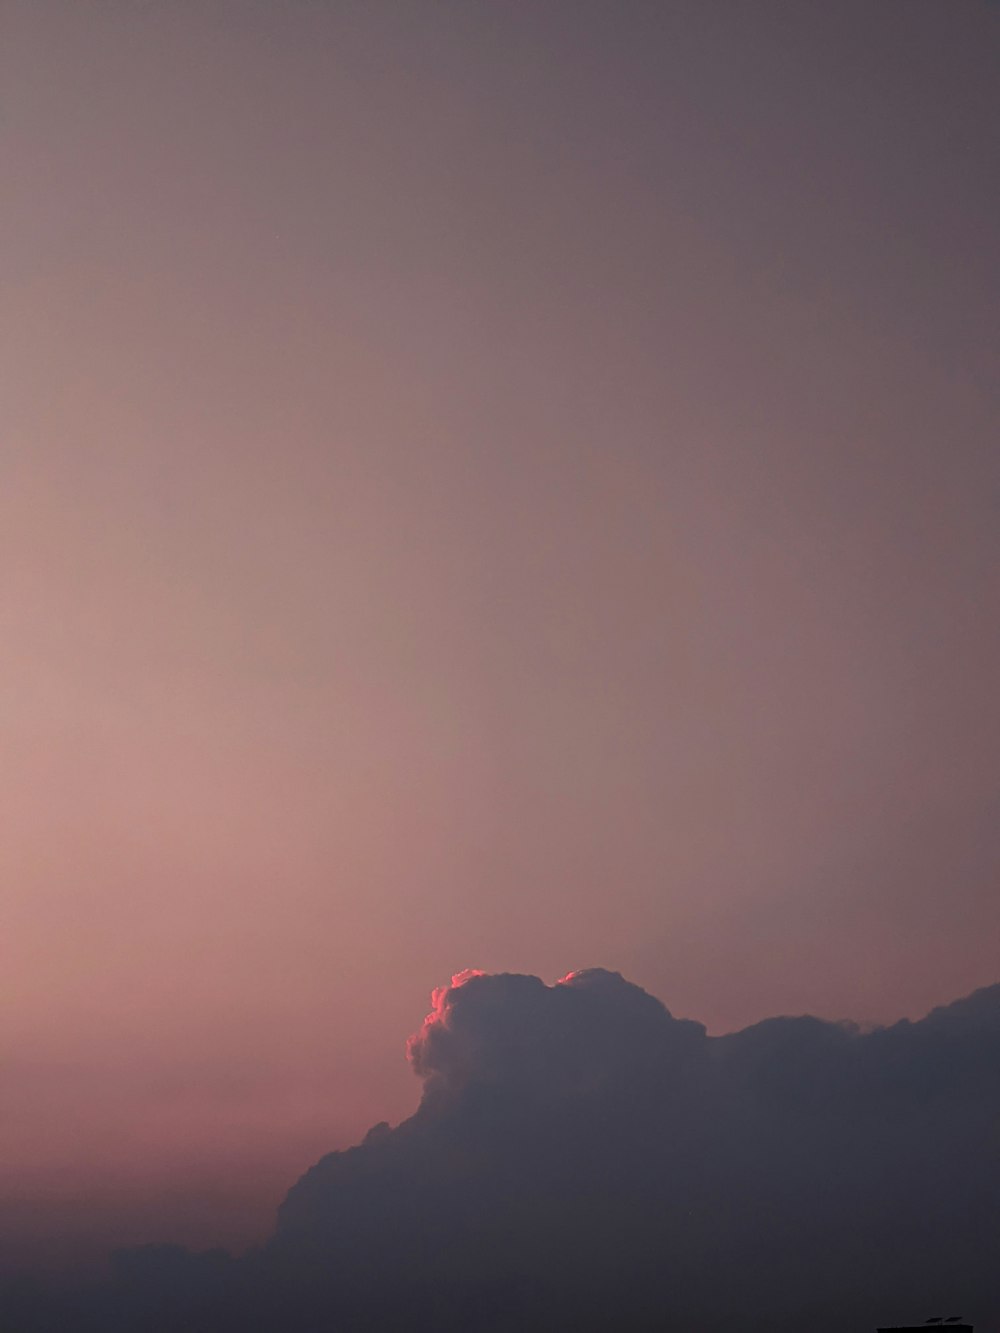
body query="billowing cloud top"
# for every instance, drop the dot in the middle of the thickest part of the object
(510, 1028)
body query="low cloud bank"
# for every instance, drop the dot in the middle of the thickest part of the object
(582, 1159)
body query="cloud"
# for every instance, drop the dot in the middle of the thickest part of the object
(582, 1159)
(512, 1029)
(580, 1151)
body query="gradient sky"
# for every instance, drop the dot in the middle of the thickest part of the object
(508, 486)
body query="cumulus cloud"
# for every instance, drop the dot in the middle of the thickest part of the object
(579, 1152)
(581, 1159)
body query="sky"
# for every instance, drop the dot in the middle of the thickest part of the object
(509, 487)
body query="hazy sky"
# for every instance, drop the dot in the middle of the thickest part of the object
(483, 485)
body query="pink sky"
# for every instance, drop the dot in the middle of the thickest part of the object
(501, 487)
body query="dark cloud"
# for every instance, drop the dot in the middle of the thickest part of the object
(582, 1159)
(511, 1029)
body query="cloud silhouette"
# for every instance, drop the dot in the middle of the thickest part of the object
(513, 1029)
(582, 1159)
(580, 1154)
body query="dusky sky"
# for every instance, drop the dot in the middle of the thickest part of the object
(485, 486)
